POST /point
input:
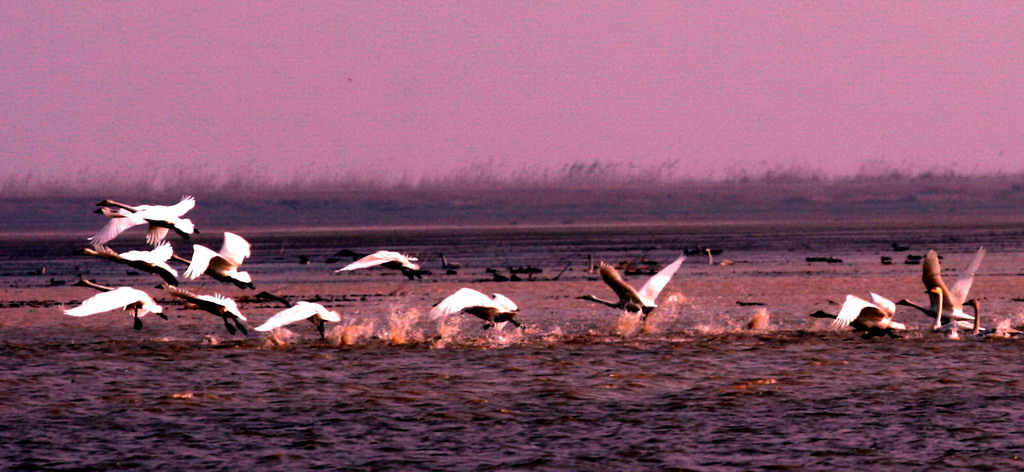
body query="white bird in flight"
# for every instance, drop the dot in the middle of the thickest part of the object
(493, 310)
(942, 299)
(388, 259)
(153, 261)
(872, 318)
(630, 299)
(314, 312)
(123, 298)
(216, 304)
(223, 265)
(161, 219)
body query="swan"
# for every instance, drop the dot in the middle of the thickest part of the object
(123, 298)
(222, 266)
(161, 219)
(493, 310)
(314, 312)
(951, 301)
(153, 261)
(872, 318)
(388, 259)
(644, 300)
(216, 304)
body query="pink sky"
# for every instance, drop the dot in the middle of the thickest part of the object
(432, 88)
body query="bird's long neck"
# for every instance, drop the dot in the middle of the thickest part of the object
(920, 308)
(270, 296)
(822, 314)
(119, 205)
(938, 312)
(82, 282)
(598, 300)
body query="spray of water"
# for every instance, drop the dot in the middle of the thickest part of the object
(504, 336)
(448, 329)
(401, 325)
(349, 332)
(667, 313)
(628, 324)
(279, 338)
(760, 320)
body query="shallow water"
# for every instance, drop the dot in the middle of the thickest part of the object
(583, 388)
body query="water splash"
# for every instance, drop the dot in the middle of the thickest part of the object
(667, 313)
(503, 336)
(628, 324)
(448, 329)
(401, 323)
(760, 320)
(279, 338)
(349, 332)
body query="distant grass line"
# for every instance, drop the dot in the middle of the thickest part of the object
(248, 181)
(478, 200)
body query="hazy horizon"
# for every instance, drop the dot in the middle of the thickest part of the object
(406, 93)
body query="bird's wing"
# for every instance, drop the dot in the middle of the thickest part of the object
(505, 303)
(460, 300)
(883, 303)
(623, 290)
(178, 209)
(235, 249)
(201, 257)
(408, 263)
(962, 284)
(155, 234)
(931, 272)
(115, 226)
(180, 292)
(375, 259)
(325, 314)
(650, 290)
(107, 301)
(851, 310)
(225, 302)
(159, 254)
(288, 316)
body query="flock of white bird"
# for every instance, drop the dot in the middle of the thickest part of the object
(871, 318)
(495, 310)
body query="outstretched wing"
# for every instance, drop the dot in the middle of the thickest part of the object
(288, 316)
(851, 310)
(180, 293)
(505, 303)
(962, 284)
(623, 290)
(107, 301)
(931, 272)
(120, 220)
(201, 256)
(378, 258)
(156, 234)
(179, 209)
(225, 302)
(159, 254)
(650, 291)
(883, 303)
(460, 300)
(235, 249)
